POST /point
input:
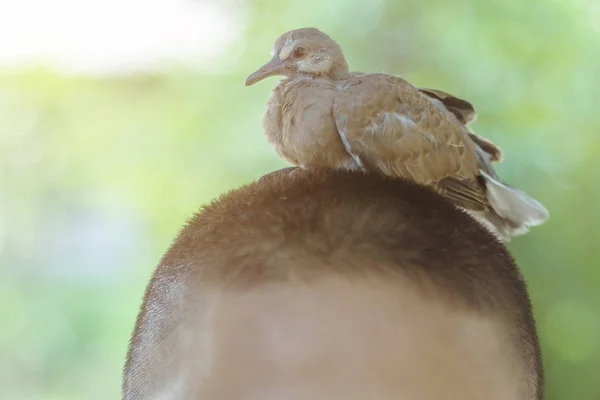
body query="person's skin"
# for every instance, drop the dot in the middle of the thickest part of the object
(334, 286)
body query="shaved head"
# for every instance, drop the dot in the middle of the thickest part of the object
(328, 285)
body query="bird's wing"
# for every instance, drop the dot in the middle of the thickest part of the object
(387, 125)
(462, 109)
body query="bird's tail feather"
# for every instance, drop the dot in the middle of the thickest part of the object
(519, 210)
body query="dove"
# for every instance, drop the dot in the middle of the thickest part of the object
(322, 115)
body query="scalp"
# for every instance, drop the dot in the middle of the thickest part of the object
(328, 215)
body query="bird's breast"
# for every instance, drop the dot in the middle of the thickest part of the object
(302, 126)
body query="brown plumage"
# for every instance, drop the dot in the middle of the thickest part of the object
(323, 115)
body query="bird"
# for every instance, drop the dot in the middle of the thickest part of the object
(323, 115)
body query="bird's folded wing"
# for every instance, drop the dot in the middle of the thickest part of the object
(465, 112)
(388, 125)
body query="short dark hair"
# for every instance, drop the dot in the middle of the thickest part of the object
(250, 236)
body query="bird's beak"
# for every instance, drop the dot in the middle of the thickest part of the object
(273, 67)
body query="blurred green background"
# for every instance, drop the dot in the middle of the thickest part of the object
(110, 142)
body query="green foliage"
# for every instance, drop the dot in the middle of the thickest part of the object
(151, 148)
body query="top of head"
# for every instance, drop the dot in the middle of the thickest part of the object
(306, 51)
(312, 212)
(267, 250)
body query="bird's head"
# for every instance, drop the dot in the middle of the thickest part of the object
(306, 51)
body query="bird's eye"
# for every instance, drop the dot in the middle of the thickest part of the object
(299, 52)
